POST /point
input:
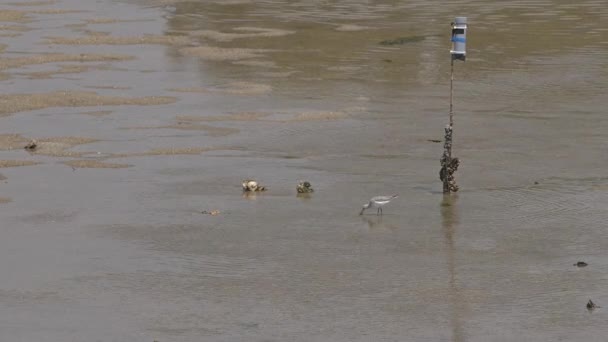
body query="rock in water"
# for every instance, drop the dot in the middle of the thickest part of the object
(251, 185)
(591, 305)
(304, 187)
(32, 145)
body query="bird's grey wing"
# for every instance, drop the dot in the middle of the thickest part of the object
(382, 198)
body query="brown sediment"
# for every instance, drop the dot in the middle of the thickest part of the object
(212, 131)
(251, 32)
(279, 74)
(79, 26)
(16, 163)
(316, 116)
(55, 11)
(4, 200)
(239, 116)
(344, 68)
(22, 16)
(59, 146)
(98, 21)
(98, 112)
(65, 69)
(236, 88)
(221, 54)
(108, 87)
(72, 141)
(2, 177)
(258, 116)
(96, 33)
(56, 146)
(103, 39)
(352, 109)
(247, 88)
(232, 2)
(157, 3)
(94, 164)
(11, 34)
(13, 16)
(18, 28)
(12, 142)
(15, 103)
(350, 28)
(32, 3)
(191, 90)
(16, 62)
(262, 64)
(164, 152)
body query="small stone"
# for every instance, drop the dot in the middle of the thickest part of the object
(32, 145)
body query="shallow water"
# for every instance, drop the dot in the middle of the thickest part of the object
(149, 112)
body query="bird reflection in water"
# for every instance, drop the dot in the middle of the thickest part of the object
(376, 223)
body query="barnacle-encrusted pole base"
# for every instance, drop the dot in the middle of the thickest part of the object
(449, 164)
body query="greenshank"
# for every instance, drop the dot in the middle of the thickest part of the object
(378, 202)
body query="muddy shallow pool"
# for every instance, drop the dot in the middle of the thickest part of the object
(146, 114)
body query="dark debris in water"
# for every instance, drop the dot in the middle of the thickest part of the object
(581, 264)
(32, 145)
(434, 140)
(402, 40)
(592, 306)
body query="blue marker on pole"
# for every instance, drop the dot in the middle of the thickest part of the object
(459, 38)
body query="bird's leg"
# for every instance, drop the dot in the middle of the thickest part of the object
(379, 211)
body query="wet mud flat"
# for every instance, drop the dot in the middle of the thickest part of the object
(124, 125)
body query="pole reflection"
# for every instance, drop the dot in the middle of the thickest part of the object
(450, 221)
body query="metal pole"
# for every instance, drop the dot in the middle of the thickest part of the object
(451, 96)
(449, 164)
